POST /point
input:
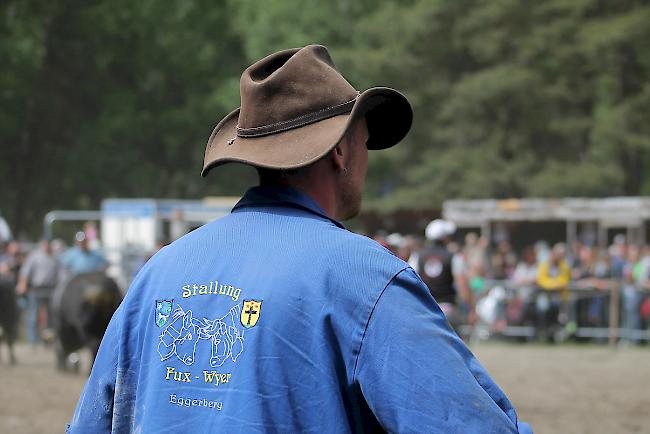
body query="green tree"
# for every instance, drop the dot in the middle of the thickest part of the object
(511, 98)
(110, 99)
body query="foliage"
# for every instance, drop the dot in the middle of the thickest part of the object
(511, 98)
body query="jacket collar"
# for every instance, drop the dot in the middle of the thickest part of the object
(263, 196)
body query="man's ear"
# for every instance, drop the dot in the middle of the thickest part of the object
(338, 154)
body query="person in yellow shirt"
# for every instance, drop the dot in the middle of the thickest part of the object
(553, 277)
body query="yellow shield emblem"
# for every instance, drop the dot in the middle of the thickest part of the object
(250, 313)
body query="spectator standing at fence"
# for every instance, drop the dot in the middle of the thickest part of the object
(434, 261)
(607, 272)
(553, 276)
(445, 276)
(631, 295)
(583, 262)
(593, 273)
(474, 254)
(521, 310)
(542, 251)
(583, 273)
(81, 259)
(525, 274)
(503, 261)
(37, 279)
(641, 273)
(617, 253)
(476, 251)
(642, 276)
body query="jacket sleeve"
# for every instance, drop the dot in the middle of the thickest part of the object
(416, 374)
(94, 411)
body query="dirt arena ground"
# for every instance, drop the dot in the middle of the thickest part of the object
(558, 389)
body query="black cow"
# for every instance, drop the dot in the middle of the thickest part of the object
(82, 309)
(9, 316)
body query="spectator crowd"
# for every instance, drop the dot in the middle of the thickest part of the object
(552, 289)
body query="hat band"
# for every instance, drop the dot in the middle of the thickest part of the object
(298, 122)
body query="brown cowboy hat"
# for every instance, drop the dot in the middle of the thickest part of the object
(295, 107)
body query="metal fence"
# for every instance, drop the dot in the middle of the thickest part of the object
(583, 311)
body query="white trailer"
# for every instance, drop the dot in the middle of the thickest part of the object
(132, 229)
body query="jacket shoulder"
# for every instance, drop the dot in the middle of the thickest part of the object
(367, 257)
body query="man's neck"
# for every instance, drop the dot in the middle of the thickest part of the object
(320, 195)
(319, 184)
(324, 199)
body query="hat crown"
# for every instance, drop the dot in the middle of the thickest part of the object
(290, 84)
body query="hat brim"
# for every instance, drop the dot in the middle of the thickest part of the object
(388, 115)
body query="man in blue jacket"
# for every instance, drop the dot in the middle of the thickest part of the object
(276, 318)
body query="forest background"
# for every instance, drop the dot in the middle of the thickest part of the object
(512, 98)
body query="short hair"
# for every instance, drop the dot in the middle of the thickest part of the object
(281, 176)
(275, 176)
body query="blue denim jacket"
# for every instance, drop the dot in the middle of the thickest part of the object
(275, 319)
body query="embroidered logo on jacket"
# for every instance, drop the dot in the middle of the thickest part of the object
(181, 336)
(163, 310)
(250, 313)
